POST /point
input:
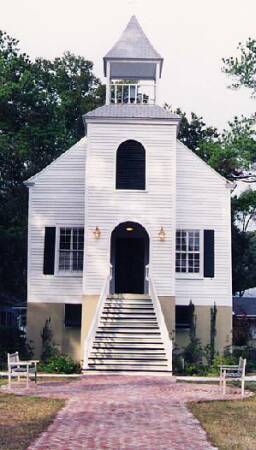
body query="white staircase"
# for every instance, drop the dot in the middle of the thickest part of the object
(129, 335)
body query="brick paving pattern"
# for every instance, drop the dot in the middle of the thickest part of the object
(119, 412)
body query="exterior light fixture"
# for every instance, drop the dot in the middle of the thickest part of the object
(129, 229)
(97, 233)
(161, 234)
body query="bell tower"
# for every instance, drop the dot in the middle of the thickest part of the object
(132, 68)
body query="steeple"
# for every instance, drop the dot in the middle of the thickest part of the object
(133, 57)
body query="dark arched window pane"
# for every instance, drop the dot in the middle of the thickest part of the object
(130, 166)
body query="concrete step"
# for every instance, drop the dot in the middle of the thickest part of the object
(128, 357)
(128, 315)
(129, 296)
(127, 324)
(128, 343)
(126, 351)
(123, 332)
(128, 367)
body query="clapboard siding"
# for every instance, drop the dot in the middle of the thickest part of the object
(153, 208)
(203, 202)
(56, 198)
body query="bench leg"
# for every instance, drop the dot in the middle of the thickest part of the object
(224, 386)
(9, 378)
(242, 386)
(27, 378)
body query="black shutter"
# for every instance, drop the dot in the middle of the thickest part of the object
(49, 250)
(130, 166)
(208, 253)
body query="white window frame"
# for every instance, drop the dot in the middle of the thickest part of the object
(136, 191)
(192, 275)
(65, 273)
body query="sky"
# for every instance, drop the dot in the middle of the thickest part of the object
(192, 36)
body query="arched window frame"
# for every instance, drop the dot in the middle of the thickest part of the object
(144, 174)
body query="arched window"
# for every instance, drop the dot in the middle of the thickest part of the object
(130, 166)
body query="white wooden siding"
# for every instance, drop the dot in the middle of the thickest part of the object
(60, 197)
(203, 202)
(107, 207)
(56, 198)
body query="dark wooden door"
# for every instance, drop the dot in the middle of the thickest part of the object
(130, 266)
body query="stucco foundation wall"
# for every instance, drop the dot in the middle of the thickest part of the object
(203, 327)
(66, 339)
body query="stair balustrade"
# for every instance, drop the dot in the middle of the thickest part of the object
(96, 320)
(168, 344)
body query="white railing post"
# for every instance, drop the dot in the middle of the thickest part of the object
(123, 93)
(96, 319)
(168, 344)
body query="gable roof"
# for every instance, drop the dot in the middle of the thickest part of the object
(133, 44)
(244, 306)
(130, 112)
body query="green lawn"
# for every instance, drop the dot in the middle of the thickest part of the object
(231, 425)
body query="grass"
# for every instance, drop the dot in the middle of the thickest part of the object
(22, 419)
(230, 425)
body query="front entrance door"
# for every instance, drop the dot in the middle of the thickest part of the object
(130, 265)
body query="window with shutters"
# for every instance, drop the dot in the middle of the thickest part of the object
(131, 166)
(188, 251)
(71, 249)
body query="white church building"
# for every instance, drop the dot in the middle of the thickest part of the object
(128, 227)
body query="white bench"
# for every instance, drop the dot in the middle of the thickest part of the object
(233, 373)
(19, 368)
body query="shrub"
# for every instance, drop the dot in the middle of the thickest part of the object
(49, 348)
(13, 340)
(59, 364)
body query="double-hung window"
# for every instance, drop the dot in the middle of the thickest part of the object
(188, 251)
(71, 249)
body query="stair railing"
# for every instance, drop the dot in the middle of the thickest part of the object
(89, 340)
(168, 344)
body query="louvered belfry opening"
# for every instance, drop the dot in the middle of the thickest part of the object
(131, 166)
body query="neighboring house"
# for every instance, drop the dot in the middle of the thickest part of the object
(129, 199)
(244, 311)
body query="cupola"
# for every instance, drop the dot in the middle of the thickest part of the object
(132, 68)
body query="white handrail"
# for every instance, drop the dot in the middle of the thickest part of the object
(168, 344)
(96, 319)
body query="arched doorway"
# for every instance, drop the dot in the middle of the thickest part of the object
(129, 257)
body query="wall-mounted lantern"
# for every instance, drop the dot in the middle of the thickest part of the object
(161, 234)
(97, 233)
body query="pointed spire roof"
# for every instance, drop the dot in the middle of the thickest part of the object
(134, 45)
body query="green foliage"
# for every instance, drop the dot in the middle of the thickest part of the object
(241, 330)
(193, 352)
(219, 360)
(243, 260)
(41, 108)
(243, 67)
(49, 349)
(193, 131)
(13, 340)
(213, 331)
(59, 364)
(244, 208)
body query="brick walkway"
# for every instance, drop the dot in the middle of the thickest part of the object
(125, 413)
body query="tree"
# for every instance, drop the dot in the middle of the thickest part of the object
(243, 260)
(193, 131)
(244, 208)
(243, 67)
(41, 107)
